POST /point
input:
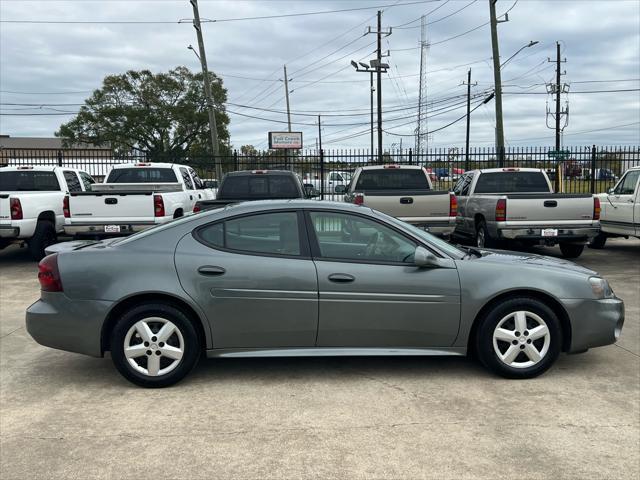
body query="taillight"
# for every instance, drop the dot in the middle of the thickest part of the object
(158, 206)
(65, 207)
(453, 205)
(196, 208)
(359, 199)
(596, 208)
(49, 275)
(16, 209)
(501, 210)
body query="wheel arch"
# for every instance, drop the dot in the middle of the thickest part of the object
(164, 298)
(545, 298)
(47, 216)
(477, 218)
(178, 213)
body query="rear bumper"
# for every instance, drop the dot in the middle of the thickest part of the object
(8, 231)
(98, 229)
(565, 234)
(594, 323)
(436, 227)
(73, 325)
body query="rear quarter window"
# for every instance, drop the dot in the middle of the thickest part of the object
(392, 179)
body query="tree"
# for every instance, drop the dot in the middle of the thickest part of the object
(162, 114)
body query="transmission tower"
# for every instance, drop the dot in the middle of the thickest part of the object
(422, 130)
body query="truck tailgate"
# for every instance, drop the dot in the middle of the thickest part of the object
(93, 207)
(409, 204)
(549, 207)
(5, 212)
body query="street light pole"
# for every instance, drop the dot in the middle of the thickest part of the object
(372, 90)
(207, 90)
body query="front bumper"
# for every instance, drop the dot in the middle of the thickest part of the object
(565, 234)
(73, 325)
(594, 323)
(98, 229)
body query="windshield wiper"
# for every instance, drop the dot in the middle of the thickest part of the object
(470, 250)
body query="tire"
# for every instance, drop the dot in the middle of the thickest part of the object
(140, 342)
(571, 250)
(44, 236)
(518, 360)
(483, 239)
(598, 241)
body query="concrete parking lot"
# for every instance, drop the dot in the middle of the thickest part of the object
(68, 416)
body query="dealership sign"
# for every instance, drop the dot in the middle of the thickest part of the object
(285, 140)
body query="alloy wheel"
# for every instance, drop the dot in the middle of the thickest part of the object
(521, 339)
(154, 346)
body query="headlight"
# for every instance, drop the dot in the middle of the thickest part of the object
(600, 287)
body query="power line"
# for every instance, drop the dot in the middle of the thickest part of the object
(425, 14)
(220, 20)
(438, 19)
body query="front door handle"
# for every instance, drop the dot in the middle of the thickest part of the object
(211, 270)
(341, 278)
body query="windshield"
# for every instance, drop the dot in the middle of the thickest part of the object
(29, 181)
(141, 175)
(161, 226)
(427, 237)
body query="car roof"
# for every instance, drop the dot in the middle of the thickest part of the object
(37, 168)
(506, 169)
(146, 164)
(258, 205)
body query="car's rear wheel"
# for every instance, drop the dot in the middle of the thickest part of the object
(154, 345)
(483, 238)
(519, 338)
(44, 236)
(598, 241)
(571, 250)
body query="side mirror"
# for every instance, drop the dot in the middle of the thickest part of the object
(310, 191)
(340, 189)
(424, 258)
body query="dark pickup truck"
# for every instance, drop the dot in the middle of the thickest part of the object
(251, 185)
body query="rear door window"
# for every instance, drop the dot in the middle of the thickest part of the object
(269, 233)
(511, 182)
(186, 178)
(392, 179)
(87, 180)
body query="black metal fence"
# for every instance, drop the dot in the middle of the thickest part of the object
(586, 169)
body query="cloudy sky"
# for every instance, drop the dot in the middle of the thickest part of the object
(58, 64)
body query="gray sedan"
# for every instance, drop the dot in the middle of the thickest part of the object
(299, 278)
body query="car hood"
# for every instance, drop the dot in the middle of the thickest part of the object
(523, 258)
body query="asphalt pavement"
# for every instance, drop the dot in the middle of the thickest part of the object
(64, 415)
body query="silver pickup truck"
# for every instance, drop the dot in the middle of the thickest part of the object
(404, 192)
(502, 204)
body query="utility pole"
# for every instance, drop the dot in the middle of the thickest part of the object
(497, 80)
(207, 90)
(319, 132)
(372, 88)
(466, 148)
(286, 91)
(379, 84)
(558, 89)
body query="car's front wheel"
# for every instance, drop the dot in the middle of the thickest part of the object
(154, 345)
(519, 338)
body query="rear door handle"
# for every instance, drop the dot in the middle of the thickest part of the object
(211, 270)
(341, 278)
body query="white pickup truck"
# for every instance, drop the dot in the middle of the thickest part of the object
(31, 204)
(332, 182)
(404, 192)
(518, 204)
(133, 197)
(620, 215)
